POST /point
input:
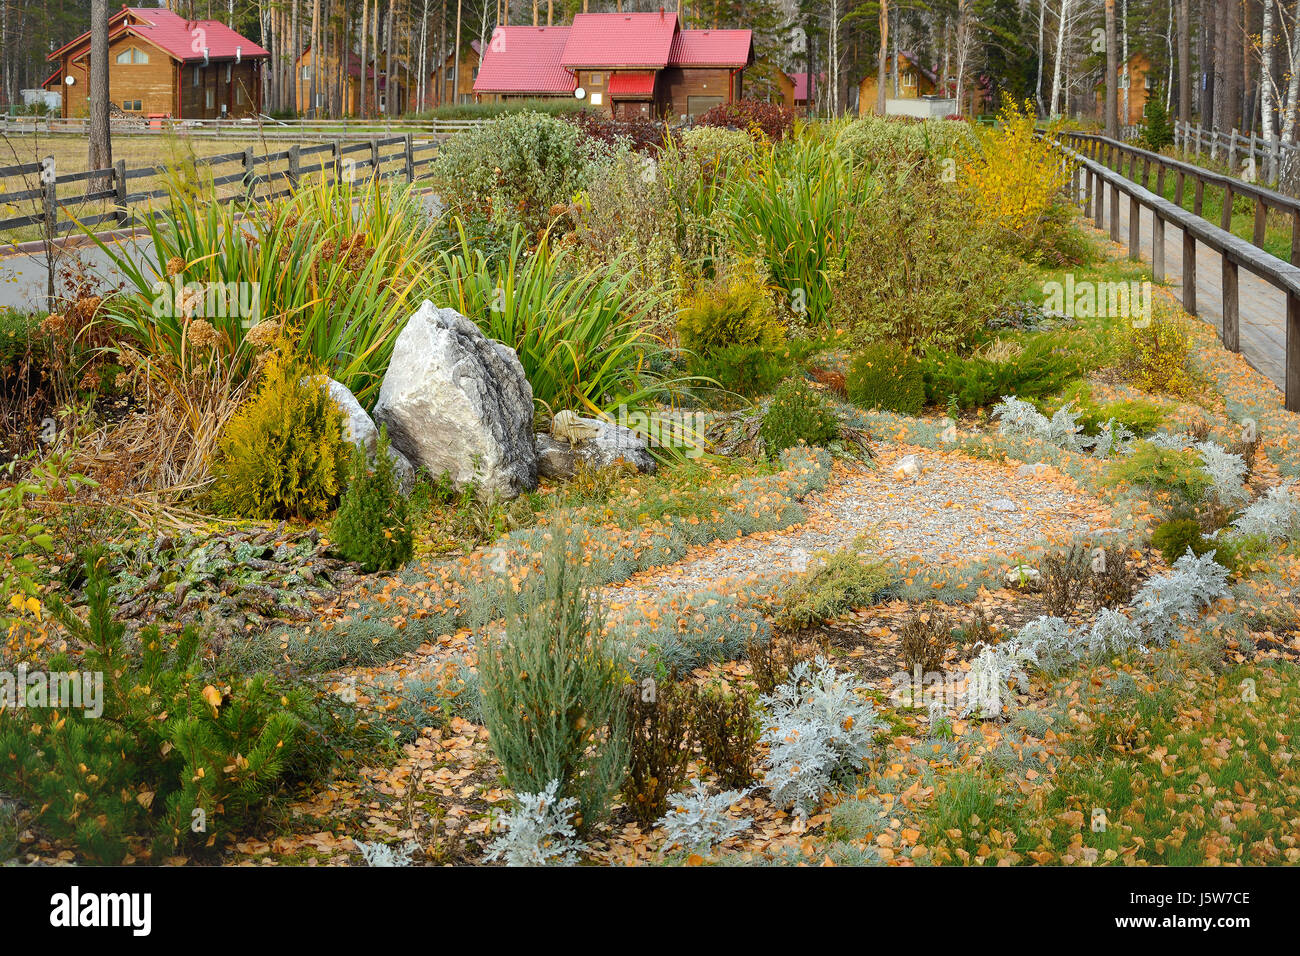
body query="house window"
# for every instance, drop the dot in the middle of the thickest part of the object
(596, 79)
(198, 72)
(306, 72)
(909, 80)
(697, 105)
(133, 56)
(1148, 82)
(208, 98)
(132, 106)
(597, 99)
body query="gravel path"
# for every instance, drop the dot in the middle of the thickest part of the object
(959, 509)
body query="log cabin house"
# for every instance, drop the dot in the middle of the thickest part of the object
(161, 64)
(327, 86)
(633, 65)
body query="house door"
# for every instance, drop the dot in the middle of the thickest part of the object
(697, 105)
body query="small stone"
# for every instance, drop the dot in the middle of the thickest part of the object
(1003, 504)
(1036, 470)
(1022, 575)
(909, 466)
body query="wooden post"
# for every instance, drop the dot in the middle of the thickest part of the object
(337, 154)
(1134, 229)
(1225, 219)
(1146, 171)
(1189, 273)
(1295, 237)
(250, 177)
(1160, 180)
(1261, 216)
(1100, 216)
(1178, 188)
(410, 157)
(1157, 246)
(1231, 318)
(1088, 186)
(119, 183)
(1114, 214)
(1232, 151)
(1198, 140)
(1292, 352)
(294, 172)
(374, 157)
(1198, 199)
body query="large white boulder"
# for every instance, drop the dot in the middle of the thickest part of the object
(456, 402)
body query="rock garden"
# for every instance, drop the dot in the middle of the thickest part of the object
(730, 497)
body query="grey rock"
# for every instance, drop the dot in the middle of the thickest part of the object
(359, 429)
(1003, 504)
(611, 443)
(454, 401)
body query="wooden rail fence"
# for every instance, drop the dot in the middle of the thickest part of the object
(1091, 179)
(265, 177)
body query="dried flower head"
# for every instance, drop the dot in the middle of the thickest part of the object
(202, 335)
(175, 265)
(263, 334)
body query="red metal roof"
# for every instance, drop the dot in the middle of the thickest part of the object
(525, 60)
(632, 84)
(728, 48)
(620, 39)
(801, 84)
(185, 40)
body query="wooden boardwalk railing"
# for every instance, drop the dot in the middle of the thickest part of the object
(1113, 154)
(1100, 187)
(258, 177)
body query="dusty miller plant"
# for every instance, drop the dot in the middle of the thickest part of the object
(1168, 600)
(1018, 417)
(383, 854)
(1273, 515)
(539, 832)
(995, 670)
(819, 730)
(1227, 471)
(700, 820)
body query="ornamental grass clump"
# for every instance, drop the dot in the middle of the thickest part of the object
(283, 454)
(552, 693)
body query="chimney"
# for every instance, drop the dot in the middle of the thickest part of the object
(661, 13)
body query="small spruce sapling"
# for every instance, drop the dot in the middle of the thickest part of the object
(373, 525)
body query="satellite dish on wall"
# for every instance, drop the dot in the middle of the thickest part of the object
(580, 93)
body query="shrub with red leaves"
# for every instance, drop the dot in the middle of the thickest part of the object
(774, 120)
(646, 136)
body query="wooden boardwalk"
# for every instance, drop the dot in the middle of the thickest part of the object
(1262, 306)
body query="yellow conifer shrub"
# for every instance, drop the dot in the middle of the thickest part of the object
(282, 455)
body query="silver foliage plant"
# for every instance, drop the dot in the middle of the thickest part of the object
(1273, 515)
(700, 820)
(818, 730)
(539, 832)
(1168, 600)
(1018, 417)
(383, 854)
(1227, 471)
(995, 672)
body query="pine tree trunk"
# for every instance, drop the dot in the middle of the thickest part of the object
(101, 145)
(884, 54)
